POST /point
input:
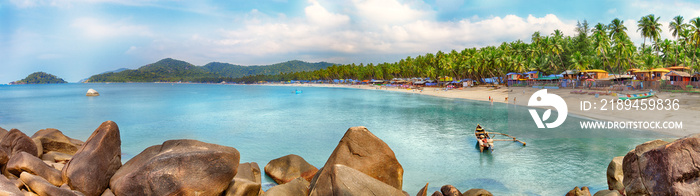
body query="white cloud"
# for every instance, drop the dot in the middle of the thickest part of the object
(97, 29)
(317, 14)
(390, 11)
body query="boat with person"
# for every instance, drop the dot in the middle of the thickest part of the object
(485, 139)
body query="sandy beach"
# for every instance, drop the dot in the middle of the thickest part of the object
(687, 113)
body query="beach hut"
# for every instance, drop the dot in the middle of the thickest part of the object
(514, 76)
(569, 74)
(659, 74)
(532, 75)
(642, 75)
(678, 76)
(595, 73)
(679, 69)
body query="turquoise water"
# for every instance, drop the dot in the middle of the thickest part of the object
(431, 137)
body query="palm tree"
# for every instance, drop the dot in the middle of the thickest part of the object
(650, 28)
(676, 26)
(617, 28)
(695, 31)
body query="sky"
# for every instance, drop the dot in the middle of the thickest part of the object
(74, 39)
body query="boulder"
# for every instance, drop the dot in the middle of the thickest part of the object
(246, 182)
(343, 180)
(664, 169)
(3, 132)
(249, 171)
(437, 193)
(25, 162)
(363, 151)
(288, 168)
(43, 187)
(96, 161)
(607, 193)
(15, 141)
(107, 192)
(181, 167)
(8, 187)
(477, 192)
(56, 157)
(91, 93)
(39, 147)
(243, 187)
(423, 191)
(3, 157)
(449, 190)
(54, 140)
(583, 191)
(296, 187)
(614, 174)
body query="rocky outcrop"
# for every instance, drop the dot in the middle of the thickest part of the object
(9, 188)
(92, 166)
(43, 187)
(15, 141)
(296, 187)
(477, 192)
(177, 167)
(607, 193)
(661, 168)
(91, 93)
(614, 174)
(246, 182)
(288, 168)
(56, 157)
(54, 140)
(25, 162)
(423, 191)
(583, 191)
(343, 180)
(449, 190)
(361, 150)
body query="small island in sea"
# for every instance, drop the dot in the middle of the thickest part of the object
(40, 78)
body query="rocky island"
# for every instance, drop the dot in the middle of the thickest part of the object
(40, 78)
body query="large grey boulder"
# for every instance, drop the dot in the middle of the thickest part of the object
(54, 140)
(43, 188)
(662, 168)
(25, 162)
(361, 150)
(15, 141)
(343, 180)
(178, 167)
(296, 187)
(614, 174)
(93, 165)
(288, 168)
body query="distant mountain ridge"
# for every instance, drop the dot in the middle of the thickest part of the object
(172, 70)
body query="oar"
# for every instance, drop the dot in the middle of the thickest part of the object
(503, 134)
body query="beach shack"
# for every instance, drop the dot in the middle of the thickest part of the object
(532, 75)
(679, 69)
(514, 78)
(696, 77)
(569, 74)
(594, 73)
(642, 75)
(659, 74)
(678, 76)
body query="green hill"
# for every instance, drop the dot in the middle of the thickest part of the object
(40, 78)
(171, 70)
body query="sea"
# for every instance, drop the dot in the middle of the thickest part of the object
(432, 137)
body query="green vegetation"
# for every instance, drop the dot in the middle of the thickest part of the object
(602, 46)
(171, 70)
(40, 78)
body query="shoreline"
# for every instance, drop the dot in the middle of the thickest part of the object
(688, 111)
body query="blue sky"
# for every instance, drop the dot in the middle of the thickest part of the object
(75, 39)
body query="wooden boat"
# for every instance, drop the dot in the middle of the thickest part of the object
(486, 142)
(636, 95)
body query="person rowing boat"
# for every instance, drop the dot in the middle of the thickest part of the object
(483, 139)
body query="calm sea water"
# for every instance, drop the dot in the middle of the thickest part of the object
(431, 137)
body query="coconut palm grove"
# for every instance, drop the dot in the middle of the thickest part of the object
(600, 46)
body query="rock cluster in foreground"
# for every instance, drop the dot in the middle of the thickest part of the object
(50, 163)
